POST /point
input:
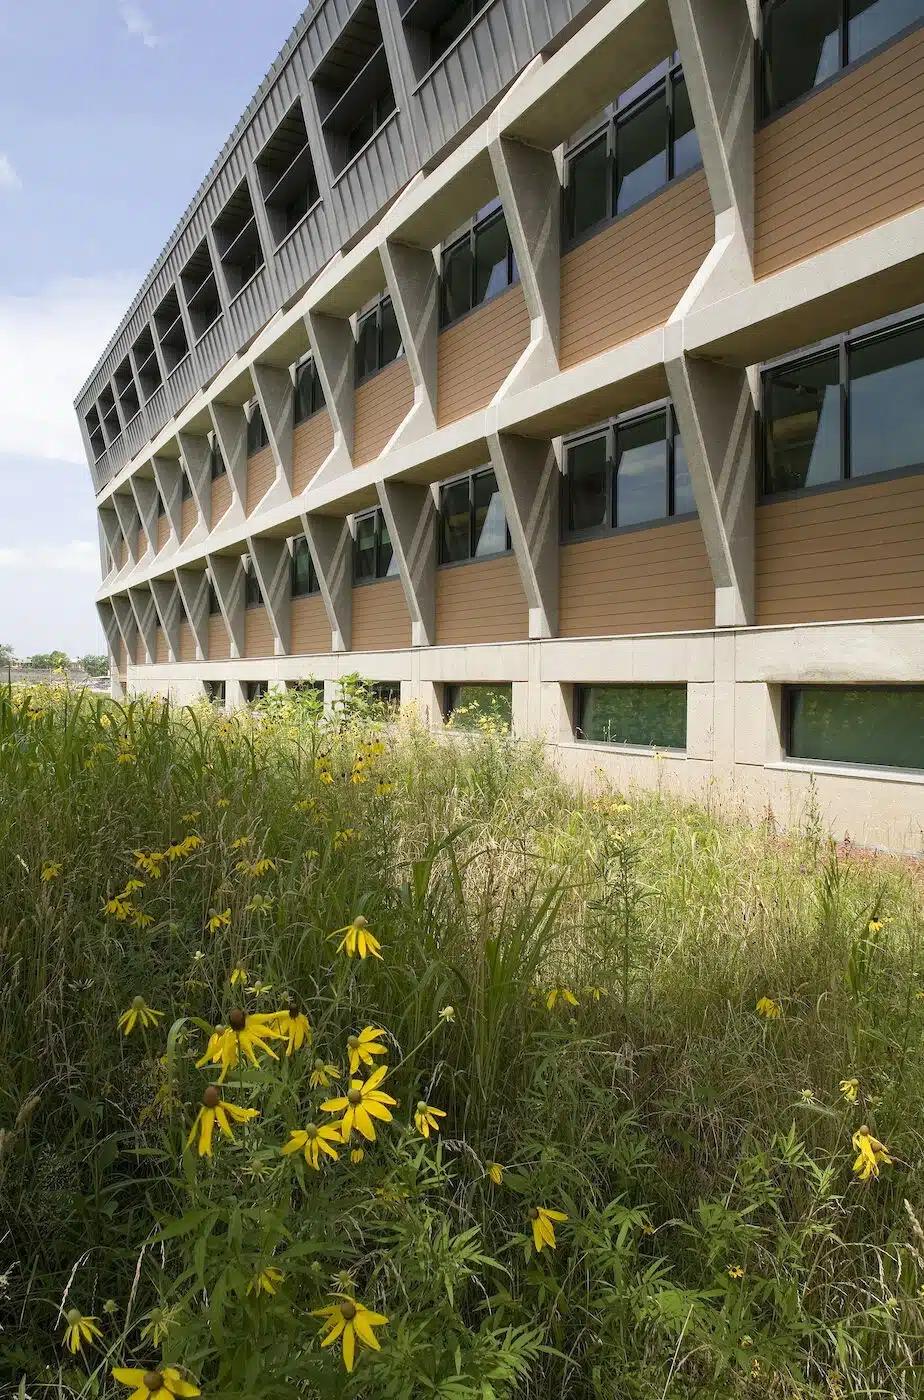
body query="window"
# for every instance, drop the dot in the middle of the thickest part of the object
(631, 472)
(95, 433)
(286, 172)
(378, 340)
(882, 726)
(161, 508)
(147, 365)
(373, 556)
(386, 694)
(255, 690)
(200, 289)
(238, 240)
(214, 605)
(185, 487)
(304, 578)
(477, 266)
(309, 395)
(109, 415)
(353, 86)
(171, 332)
(648, 141)
(478, 707)
(851, 411)
(217, 466)
(257, 437)
(214, 691)
(473, 524)
(253, 596)
(645, 716)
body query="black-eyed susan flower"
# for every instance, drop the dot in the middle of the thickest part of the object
(218, 920)
(247, 1034)
(343, 838)
(322, 1074)
(850, 1088)
(255, 869)
(312, 1141)
(293, 1024)
(496, 1172)
(138, 1014)
(543, 1223)
(362, 1047)
(769, 1008)
(562, 994)
(351, 1322)
(154, 1385)
(266, 1281)
(363, 1101)
(51, 870)
(735, 1271)
(872, 1154)
(358, 939)
(214, 1110)
(151, 862)
(326, 777)
(78, 1330)
(425, 1118)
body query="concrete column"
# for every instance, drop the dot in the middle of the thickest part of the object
(142, 602)
(716, 413)
(193, 586)
(272, 561)
(228, 581)
(234, 696)
(530, 190)
(112, 631)
(331, 545)
(410, 515)
(275, 394)
(413, 284)
(145, 493)
(125, 621)
(195, 455)
(169, 478)
(530, 483)
(127, 516)
(334, 349)
(230, 424)
(167, 602)
(109, 524)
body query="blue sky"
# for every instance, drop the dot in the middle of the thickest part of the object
(111, 113)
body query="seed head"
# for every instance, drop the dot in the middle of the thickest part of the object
(211, 1097)
(153, 1381)
(348, 1310)
(354, 1097)
(237, 1020)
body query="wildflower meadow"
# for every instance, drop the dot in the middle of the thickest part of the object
(340, 1058)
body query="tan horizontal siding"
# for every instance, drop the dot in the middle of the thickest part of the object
(190, 516)
(481, 602)
(258, 633)
(381, 621)
(310, 627)
(161, 650)
(221, 497)
(219, 645)
(655, 580)
(382, 404)
(630, 277)
(475, 357)
(845, 159)
(187, 643)
(163, 531)
(855, 552)
(311, 443)
(261, 473)
(142, 542)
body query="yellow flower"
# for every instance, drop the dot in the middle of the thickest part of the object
(596, 993)
(245, 1032)
(736, 1271)
(877, 923)
(239, 977)
(138, 1014)
(562, 994)
(51, 870)
(325, 776)
(384, 789)
(217, 921)
(118, 907)
(240, 843)
(154, 1385)
(159, 1324)
(357, 938)
(214, 1110)
(543, 1227)
(496, 1172)
(222, 802)
(253, 870)
(312, 1141)
(850, 1088)
(769, 1008)
(352, 1322)
(362, 1047)
(266, 1281)
(79, 1329)
(357, 776)
(872, 1154)
(363, 1101)
(130, 888)
(126, 757)
(105, 721)
(295, 1026)
(357, 1154)
(188, 817)
(448, 1013)
(425, 1118)
(140, 919)
(342, 837)
(322, 1074)
(808, 1095)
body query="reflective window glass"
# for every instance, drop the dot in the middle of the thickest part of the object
(886, 388)
(641, 154)
(878, 725)
(873, 22)
(686, 152)
(801, 48)
(641, 85)
(252, 595)
(684, 500)
(304, 578)
(588, 186)
(491, 244)
(646, 716)
(455, 522)
(367, 346)
(309, 396)
(802, 404)
(256, 432)
(641, 471)
(364, 548)
(490, 520)
(387, 564)
(587, 474)
(478, 707)
(457, 281)
(391, 336)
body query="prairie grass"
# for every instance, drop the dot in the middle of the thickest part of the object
(717, 1242)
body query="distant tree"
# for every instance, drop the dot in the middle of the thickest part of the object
(49, 660)
(7, 655)
(95, 665)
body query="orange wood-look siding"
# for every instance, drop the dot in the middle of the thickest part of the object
(311, 443)
(629, 278)
(382, 404)
(845, 159)
(221, 498)
(163, 531)
(187, 643)
(142, 542)
(475, 357)
(855, 552)
(190, 516)
(161, 650)
(140, 653)
(655, 580)
(219, 645)
(261, 473)
(310, 627)
(380, 617)
(258, 633)
(481, 602)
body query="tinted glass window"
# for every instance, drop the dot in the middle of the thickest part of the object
(686, 152)
(801, 48)
(887, 403)
(214, 605)
(873, 22)
(641, 155)
(490, 520)
(455, 519)
(650, 716)
(684, 500)
(367, 346)
(874, 724)
(216, 462)
(457, 281)
(490, 259)
(364, 550)
(641, 471)
(588, 186)
(803, 430)
(256, 433)
(387, 563)
(252, 595)
(587, 473)
(476, 707)
(304, 578)
(391, 336)
(308, 395)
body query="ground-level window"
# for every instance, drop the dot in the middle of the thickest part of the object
(478, 706)
(645, 716)
(255, 690)
(385, 693)
(214, 691)
(876, 725)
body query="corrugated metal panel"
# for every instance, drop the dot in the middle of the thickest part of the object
(136, 434)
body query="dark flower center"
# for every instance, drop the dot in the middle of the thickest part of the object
(153, 1381)
(348, 1310)
(237, 1020)
(354, 1097)
(211, 1097)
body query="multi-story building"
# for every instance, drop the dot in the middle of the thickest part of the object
(573, 348)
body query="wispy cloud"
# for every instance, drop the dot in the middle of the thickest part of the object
(9, 180)
(139, 25)
(77, 556)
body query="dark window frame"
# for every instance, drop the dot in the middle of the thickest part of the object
(451, 699)
(787, 718)
(478, 225)
(300, 546)
(257, 435)
(380, 523)
(253, 593)
(316, 401)
(473, 558)
(376, 312)
(579, 704)
(218, 467)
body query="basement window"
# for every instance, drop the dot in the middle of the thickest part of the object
(286, 172)
(255, 690)
(124, 381)
(641, 716)
(171, 332)
(353, 87)
(875, 725)
(238, 241)
(147, 365)
(478, 706)
(200, 288)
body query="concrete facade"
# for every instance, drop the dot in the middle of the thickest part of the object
(524, 391)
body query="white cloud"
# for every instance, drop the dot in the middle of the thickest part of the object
(139, 25)
(48, 345)
(77, 556)
(9, 180)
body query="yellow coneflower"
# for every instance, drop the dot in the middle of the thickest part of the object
(357, 1154)
(245, 1033)
(325, 776)
(188, 817)
(214, 1110)
(353, 1322)
(362, 1047)
(322, 1074)
(294, 1026)
(363, 1101)
(222, 802)
(384, 789)
(448, 1013)
(735, 1271)
(543, 1226)
(425, 1118)
(341, 838)
(496, 1172)
(850, 1088)
(266, 1281)
(312, 1141)
(79, 1329)
(140, 919)
(160, 1320)
(154, 1385)
(596, 993)
(255, 869)
(138, 1014)
(358, 939)
(872, 1154)
(240, 843)
(239, 977)
(562, 994)
(51, 870)
(217, 921)
(769, 1008)
(213, 1049)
